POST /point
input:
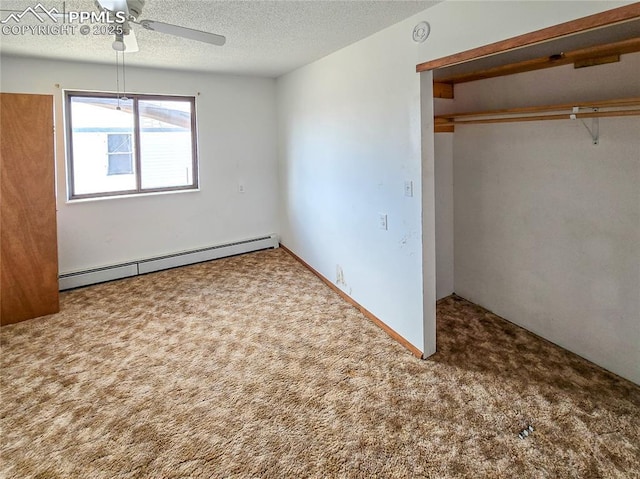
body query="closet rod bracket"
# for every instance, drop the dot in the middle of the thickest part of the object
(594, 131)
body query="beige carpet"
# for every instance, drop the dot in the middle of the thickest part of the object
(251, 367)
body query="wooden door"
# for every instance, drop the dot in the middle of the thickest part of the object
(28, 237)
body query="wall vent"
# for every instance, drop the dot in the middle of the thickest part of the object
(149, 265)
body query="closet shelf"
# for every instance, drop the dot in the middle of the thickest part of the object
(566, 111)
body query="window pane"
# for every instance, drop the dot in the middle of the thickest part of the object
(99, 129)
(165, 143)
(120, 164)
(119, 143)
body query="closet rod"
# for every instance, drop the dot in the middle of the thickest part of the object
(564, 116)
(622, 102)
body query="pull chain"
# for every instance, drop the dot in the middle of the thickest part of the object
(124, 80)
(117, 82)
(121, 95)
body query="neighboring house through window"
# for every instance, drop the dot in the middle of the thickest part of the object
(130, 145)
(120, 161)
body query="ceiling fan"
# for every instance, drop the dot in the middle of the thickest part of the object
(126, 41)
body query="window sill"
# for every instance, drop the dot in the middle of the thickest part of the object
(133, 195)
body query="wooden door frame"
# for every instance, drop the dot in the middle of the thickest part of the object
(598, 20)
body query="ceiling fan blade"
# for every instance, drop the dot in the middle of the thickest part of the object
(183, 32)
(130, 42)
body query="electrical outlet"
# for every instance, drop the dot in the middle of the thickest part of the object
(408, 188)
(382, 221)
(240, 187)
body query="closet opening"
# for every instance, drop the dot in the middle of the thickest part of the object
(535, 182)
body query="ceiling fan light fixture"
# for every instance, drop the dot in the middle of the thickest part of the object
(118, 44)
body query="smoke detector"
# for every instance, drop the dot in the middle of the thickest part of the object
(421, 32)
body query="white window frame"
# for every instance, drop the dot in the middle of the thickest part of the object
(135, 97)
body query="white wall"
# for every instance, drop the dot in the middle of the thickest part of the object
(349, 139)
(444, 214)
(351, 133)
(237, 135)
(547, 225)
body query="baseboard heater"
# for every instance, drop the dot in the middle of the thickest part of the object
(149, 265)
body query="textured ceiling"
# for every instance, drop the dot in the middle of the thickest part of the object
(265, 38)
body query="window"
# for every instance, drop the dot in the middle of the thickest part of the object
(135, 144)
(120, 154)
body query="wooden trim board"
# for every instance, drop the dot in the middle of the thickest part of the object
(580, 58)
(597, 20)
(444, 128)
(442, 90)
(377, 321)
